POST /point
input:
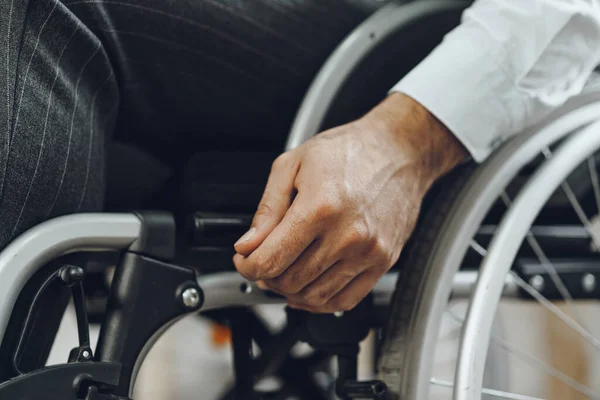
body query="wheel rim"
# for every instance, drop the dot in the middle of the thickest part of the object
(513, 230)
(454, 240)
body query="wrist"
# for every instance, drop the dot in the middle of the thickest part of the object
(420, 136)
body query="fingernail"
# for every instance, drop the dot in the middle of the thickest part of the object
(247, 236)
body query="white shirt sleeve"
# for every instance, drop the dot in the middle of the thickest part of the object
(506, 66)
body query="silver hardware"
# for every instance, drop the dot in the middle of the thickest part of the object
(537, 282)
(588, 282)
(190, 297)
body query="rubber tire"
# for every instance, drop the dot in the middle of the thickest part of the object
(414, 269)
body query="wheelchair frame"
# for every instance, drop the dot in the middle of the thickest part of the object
(148, 240)
(127, 334)
(110, 231)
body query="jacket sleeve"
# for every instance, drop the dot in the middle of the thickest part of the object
(506, 66)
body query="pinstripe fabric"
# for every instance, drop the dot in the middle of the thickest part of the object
(58, 95)
(172, 76)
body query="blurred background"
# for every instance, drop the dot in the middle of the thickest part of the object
(193, 360)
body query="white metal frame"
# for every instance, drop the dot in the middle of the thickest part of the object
(463, 220)
(51, 239)
(502, 252)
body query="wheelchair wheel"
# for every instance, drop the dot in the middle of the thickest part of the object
(533, 231)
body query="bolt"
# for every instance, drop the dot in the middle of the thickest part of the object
(71, 274)
(339, 314)
(86, 354)
(190, 298)
(246, 288)
(537, 282)
(588, 282)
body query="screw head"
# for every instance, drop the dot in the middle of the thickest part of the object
(339, 314)
(190, 298)
(86, 354)
(588, 282)
(537, 282)
(246, 288)
(71, 274)
(76, 273)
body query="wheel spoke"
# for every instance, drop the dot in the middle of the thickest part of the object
(555, 310)
(478, 248)
(490, 392)
(550, 269)
(535, 362)
(548, 266)
(561, 287)
(585, 221)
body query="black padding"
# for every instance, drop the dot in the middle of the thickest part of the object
(216, 181)
(227, 182)
(157, 235)
(133, 177)
(232, 181)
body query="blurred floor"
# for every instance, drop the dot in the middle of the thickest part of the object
(187, 363)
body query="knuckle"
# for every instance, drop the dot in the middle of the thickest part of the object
(318, 297)
(271, 265)
(285, 284)
(274, 284)
(327, 207)
(248, 271)
(281, 161)
(344, 304)
(382, 265)
(346, 276)
(378, 247)
(292, 289)
(358, 235)
(374, 246)
(264, 209)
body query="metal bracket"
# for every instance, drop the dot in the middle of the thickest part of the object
(147, 296)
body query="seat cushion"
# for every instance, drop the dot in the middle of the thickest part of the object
(227, 182)
(133, 177)
(215, 181)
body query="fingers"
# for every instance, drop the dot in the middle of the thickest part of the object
(286, 242)
(275, 202)
(308, 267)
(330, 283)
(343, 300)
(262, 285)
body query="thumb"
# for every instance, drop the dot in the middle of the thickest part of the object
(275, 202)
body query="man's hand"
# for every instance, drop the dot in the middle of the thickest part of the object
(337, 210)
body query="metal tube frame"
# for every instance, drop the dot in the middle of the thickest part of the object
(350, 53)
(52, 239)
(229, 289)
(47, 241)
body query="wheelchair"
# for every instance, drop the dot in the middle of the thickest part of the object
(525, 224)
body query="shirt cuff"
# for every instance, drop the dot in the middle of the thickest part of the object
(463, 84)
